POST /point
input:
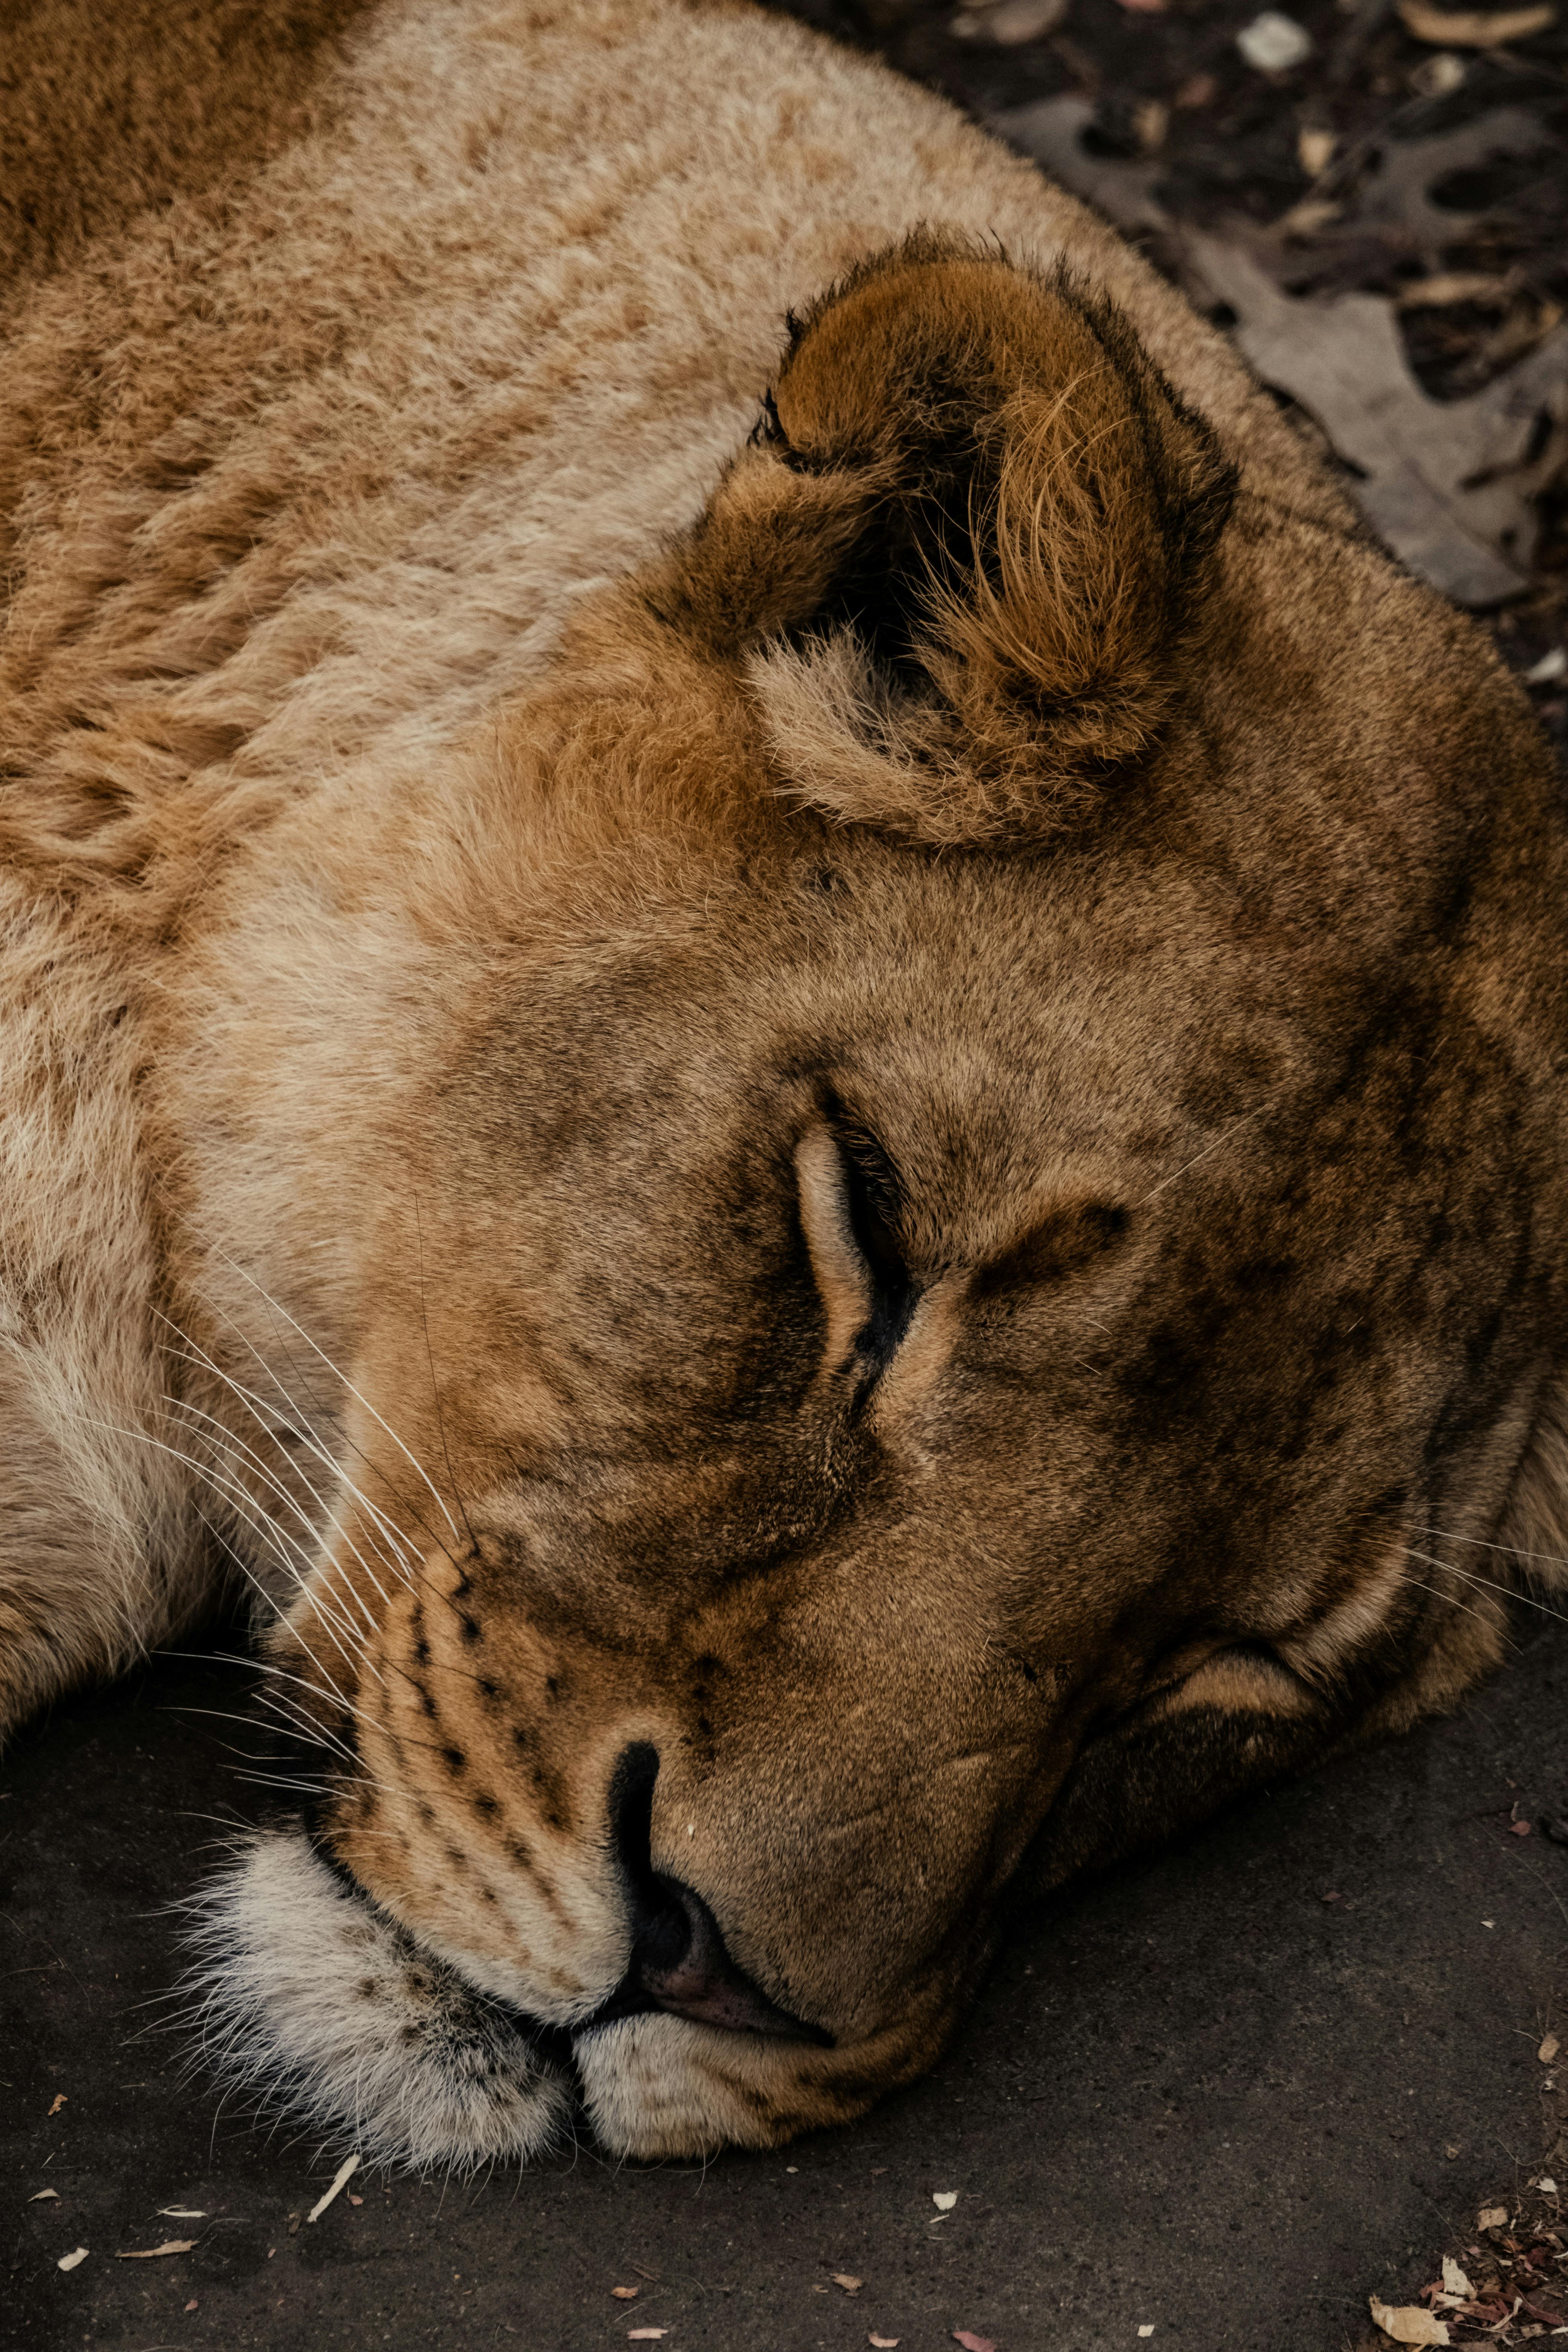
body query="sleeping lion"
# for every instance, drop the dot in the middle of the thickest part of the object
(769, 1023)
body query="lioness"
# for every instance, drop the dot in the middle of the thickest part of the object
(807, 1077)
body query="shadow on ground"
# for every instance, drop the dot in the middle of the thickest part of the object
(1200, 2096)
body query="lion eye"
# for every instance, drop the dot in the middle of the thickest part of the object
(871, 1191)
(849, 1204)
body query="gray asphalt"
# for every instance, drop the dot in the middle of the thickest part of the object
(1197, 2096)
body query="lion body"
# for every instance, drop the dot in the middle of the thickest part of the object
(308, 476)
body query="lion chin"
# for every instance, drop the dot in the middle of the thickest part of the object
(316, 2003)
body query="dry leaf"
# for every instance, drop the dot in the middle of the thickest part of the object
(1473, 30)
(1547, 2187)
(1408, 2324)
(150, 2253)
(1051, 130)
(1519, 1829)
(1315, 149)
(972, 2343)
(1446, 286)
(1492, 2217)
(1150, 121)
(192, 2305)
(59, 2103)
(1395, 201)
(39, 2194)
(843, 2279)
(1549, 2049)
(624, 2294)
(885, 2343)
(1455, 2282)
(1446, 483)
(345, 2171)
(944, 2200)
(644, 2335)
(1390, 202)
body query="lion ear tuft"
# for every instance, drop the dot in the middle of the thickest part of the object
(975, 530)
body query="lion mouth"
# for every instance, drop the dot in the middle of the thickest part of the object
(320, 2008)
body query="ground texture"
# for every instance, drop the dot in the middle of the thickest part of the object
(1226, 2095)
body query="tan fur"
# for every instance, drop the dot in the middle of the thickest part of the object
(873, 1112)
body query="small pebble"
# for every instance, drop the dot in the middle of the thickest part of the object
(1273, 43)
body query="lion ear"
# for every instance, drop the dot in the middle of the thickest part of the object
(965, 558)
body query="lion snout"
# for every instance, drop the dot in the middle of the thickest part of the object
(679, 1960)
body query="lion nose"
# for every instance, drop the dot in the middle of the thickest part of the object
(679, 1958)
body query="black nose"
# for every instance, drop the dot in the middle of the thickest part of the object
(679, 1960)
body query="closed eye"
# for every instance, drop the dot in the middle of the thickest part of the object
(872, 1193)
(849, 1204)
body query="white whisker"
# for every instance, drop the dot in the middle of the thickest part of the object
(416, 1466)
(233, 1442)
(1469, 1576)
(1207, 1151)
(1449, 1600)
(251, 1514)
(403, 1550)
(1511, 1551)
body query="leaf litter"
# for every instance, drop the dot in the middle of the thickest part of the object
(1451, 487)
(1512, 2286)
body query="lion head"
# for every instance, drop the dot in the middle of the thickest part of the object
(957, 1247)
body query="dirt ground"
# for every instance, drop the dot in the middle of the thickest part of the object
(1217, 2100)
(1223, 2095)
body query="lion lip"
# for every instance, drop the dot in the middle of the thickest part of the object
(702, 1983)
(734, 2004)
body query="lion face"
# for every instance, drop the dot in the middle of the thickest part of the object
(973, 1219)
